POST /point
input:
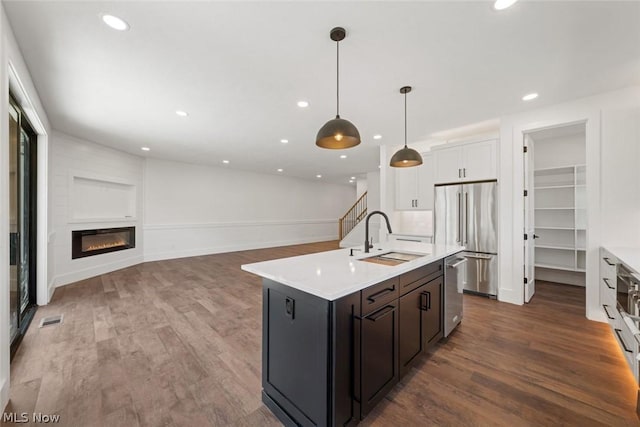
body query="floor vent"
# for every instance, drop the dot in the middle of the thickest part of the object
(51, 320)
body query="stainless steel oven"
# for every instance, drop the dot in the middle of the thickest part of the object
(627, 291)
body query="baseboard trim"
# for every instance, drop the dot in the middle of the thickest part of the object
(160, 256)
(69, 278)
(51, 288)
(4, 389)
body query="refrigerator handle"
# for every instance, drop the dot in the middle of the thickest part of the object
(459, 221)
(466, 217)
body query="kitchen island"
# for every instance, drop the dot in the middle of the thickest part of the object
(340, 330)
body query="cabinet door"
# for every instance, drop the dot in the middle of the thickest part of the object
(410, 333)
(432, 313)
(448, 163)
(426, 179)
(479, 161)
(406, 188)
(293, 320)
(379, 355)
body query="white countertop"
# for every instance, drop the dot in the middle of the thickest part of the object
(628, 256)
(334, 274)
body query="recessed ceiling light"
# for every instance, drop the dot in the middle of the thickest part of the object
(503, 4)
(353, 177)
(303, 104)
(343, 156)
(530, 96)
(284, 141)
(279, 170)
(318, 176)
(377, 136)
(182, 113)
(350, 181)
(226, 162)
(145, 148)
(115, 22)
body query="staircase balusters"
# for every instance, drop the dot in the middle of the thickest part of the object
(354, 215)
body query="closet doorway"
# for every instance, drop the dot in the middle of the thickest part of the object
(555, 207)
(22, 222)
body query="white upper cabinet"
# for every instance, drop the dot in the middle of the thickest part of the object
(474, 161)
(414, 186)
(479, 161)
(448, 164)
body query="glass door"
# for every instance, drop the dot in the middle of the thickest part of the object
(14, 133)
(22, 205)
(24, 213)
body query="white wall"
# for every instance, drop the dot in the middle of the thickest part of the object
(620, 157)
(193, 210)
(75, 157)
(601, 173)
(361, 186)
(11, 58)
(559, 151)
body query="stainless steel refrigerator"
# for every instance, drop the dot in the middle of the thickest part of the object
(467, 214)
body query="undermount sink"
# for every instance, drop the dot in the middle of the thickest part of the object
(392, 258)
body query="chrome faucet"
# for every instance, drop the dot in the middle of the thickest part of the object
(367, 245)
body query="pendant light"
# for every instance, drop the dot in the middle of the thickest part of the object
(405, 157)
(338, 133)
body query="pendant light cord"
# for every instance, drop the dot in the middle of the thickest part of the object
(405, 120)
(337, 79)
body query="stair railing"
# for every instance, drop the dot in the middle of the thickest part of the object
(354, 215)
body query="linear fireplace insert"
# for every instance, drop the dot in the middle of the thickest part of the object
(101, 240)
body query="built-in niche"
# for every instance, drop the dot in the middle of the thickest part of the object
(98, 199)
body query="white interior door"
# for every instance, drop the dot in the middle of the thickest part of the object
(529, 221)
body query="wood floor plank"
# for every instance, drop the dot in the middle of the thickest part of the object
(178, 343)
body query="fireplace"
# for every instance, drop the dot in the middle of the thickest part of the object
(102, 240)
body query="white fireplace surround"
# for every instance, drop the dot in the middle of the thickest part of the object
(94, 197)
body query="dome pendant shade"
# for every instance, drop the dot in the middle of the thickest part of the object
(337, 134)
(406, 157)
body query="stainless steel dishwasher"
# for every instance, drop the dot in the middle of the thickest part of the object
(455, 276)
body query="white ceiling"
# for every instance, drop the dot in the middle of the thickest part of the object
(238, 69)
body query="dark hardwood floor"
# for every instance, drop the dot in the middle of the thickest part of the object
(177, 343)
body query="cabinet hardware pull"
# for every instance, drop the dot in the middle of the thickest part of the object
(478, 256)
(460, 225)
(464, 172)
(425, 301)
(624, 346)
(466, 217)
(457, 264)
(606, 282)
(459, 173)
(380, 313)
(608, 261)
(604, 306)
(372, 298)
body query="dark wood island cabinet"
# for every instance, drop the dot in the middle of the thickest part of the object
(328, 363)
